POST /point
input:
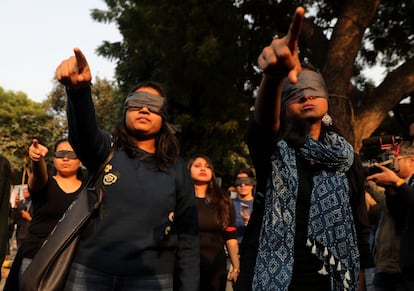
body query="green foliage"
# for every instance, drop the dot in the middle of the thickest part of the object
(205, 53)
(107, 110)
(391, 34)
(21, 120)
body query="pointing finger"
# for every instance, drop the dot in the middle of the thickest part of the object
(83, 74)
(295, 28)
(80, 59)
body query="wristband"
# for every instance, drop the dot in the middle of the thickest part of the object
(235, 271)
(399, 183)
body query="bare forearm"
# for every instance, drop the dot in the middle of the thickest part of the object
(233, 250)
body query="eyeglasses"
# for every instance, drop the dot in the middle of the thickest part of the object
(402, 158)
(65, 154)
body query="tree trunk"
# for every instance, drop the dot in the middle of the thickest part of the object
(339, 62)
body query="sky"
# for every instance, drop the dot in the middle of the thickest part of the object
(37, 35)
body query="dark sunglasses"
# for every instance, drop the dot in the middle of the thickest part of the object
(65, 154)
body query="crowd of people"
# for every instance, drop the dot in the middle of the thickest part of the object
(301, 219)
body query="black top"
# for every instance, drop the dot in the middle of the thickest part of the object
(48, 207)
(305, 265)
(213, 271)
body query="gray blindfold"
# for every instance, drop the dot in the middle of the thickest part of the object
(138, 99)
(153, 102)
(310, 83)
(245, 181)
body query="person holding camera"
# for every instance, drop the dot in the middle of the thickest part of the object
(385, 243)
(399, 191)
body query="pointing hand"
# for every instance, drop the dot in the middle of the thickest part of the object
(74, 72)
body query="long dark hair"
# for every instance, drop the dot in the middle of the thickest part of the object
(167, 149)
(215, 194)
(5, 169)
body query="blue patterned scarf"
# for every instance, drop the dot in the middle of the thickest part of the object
(331, 232)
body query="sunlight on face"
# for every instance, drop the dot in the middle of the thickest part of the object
(201, 171)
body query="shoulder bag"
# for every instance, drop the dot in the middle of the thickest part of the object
(50, 266)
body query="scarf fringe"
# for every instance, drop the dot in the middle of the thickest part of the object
(331, 261)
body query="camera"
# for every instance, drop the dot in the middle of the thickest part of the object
(381, 150)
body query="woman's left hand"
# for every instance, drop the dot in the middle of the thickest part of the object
(233, 275)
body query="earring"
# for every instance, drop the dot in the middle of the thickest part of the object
(327, 119)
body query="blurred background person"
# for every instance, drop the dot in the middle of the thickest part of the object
(243, 203)
(385, 242)
(22, 215)
(217, 229)
(399, 191)
(232, 192)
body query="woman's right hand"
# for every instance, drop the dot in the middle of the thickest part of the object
(37, 151)
(74, 72)
(281, 57)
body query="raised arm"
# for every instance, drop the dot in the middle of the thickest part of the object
(89, 142)
(38, 177)
(278, 60)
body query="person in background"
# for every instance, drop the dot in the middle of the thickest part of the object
(145, 236)
(5, 188)
(51, 194)
(232, 192)
(399, 191)
(243, 203)
(386, 242)
(313, 225)
(216, 221)
(22, 215)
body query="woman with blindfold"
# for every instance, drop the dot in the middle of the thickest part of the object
(145, 236)
(243, 203)
(307, 232)
(51, 194)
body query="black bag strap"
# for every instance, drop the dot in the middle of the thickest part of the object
(65, 231)
(95, 176)
(91, 184)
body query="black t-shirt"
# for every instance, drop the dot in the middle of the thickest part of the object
(48, 207)
(306, 265)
